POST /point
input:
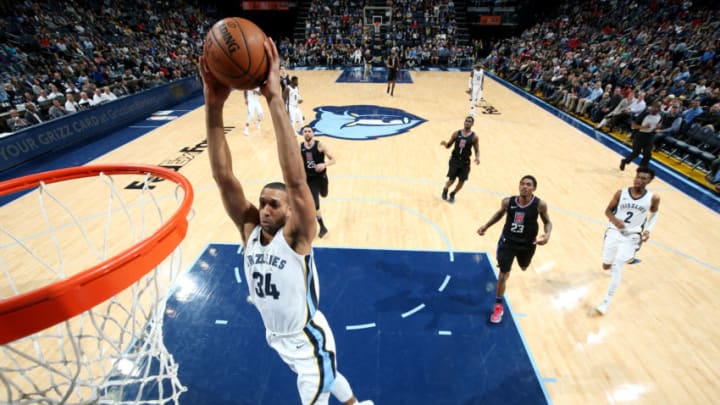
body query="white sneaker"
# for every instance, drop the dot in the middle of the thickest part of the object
(602, 308)
(246, 131)
(366, 402)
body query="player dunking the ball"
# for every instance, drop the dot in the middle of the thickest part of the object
(277, 237)
(519, 235)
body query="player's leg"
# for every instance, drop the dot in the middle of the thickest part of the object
(248, 118)
(343, 392)
(451, 175)
(476, 96)
(625, 249)
(524, 256)
(315, 361)
(636, 148)
(473, 100)
(609, 249)
(291, 115)
(306, 355)
(463, 172)
(647, 147)
(295, 117)
(340, 387)
(315, 184)
(259, 115)
(505, 255)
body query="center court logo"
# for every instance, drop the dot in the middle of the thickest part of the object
(361, 122)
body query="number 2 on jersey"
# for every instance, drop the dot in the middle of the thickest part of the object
(264, 286)
(629, 216)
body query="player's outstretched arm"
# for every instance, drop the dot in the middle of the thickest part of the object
(300, 229)
(449, 143)
(504, 204)
(243, 214)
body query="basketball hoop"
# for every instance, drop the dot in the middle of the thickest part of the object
(376, 25)
(82, 308)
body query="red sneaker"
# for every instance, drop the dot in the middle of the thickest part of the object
(497, 314)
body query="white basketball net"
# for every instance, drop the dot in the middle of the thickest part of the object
(113, 353)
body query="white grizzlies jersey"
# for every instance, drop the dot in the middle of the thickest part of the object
(253, 96)
(283, 284)
(477, 78)
(293, 97)
(633, 212)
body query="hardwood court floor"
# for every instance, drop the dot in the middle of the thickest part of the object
(659, 342)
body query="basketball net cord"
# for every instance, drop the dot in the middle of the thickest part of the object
(112, 353)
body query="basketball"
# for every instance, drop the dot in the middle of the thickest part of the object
(235, 54)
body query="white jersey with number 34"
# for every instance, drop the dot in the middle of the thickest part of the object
(283, 284)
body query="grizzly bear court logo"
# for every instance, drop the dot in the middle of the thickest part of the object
(362, 122)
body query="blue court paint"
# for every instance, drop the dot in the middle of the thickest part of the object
(358, 327)
(376, 75)
(444, 284)
(412, 311)
(408, 210)
(446, 354)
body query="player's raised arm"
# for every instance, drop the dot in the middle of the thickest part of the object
(240, 210)
(300, 228)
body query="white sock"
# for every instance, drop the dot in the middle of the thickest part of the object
(616, 276)
(341, 388)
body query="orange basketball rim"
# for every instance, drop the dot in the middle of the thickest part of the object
(30, 312)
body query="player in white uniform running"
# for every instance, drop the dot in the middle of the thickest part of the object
(632, 212)
(278, 255)
(254, 109)
(293, 100)
(475, 87)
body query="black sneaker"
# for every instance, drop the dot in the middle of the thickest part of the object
(444, 194)
(451, 200)
(622, 164)
(323, 232)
